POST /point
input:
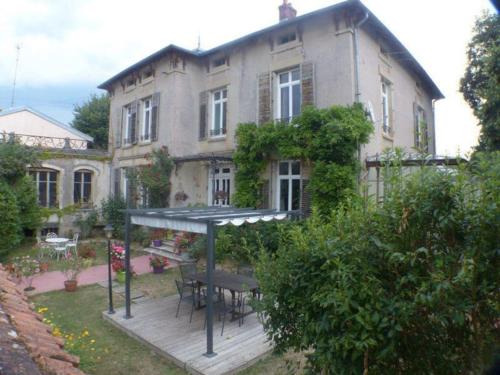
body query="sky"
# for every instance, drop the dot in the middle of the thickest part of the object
(69, 47)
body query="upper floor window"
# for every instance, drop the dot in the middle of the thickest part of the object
(82, 188)
(289, 185)
(289, 95)
(219, 62)
(46, 185)
(420, 129)
(219, 113)
(130, 82)
(220, 185)
(130, 121)
(386, 106)
(147, 74)
(146, 120)
(287, 38)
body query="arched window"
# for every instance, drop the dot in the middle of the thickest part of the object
(82, 191)
(46, 186)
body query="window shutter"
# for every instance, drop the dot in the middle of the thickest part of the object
(265, 195)
(117, 191)
(119, 125)
(133, 123)
(305, 199)
(415, 125)
(265, 92)
(425, 134)
(154, 116)
(307, 84)
(203, 115)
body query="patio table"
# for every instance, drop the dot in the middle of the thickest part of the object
(56, 243)
(230, 281)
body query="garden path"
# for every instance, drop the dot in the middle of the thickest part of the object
(49, 281)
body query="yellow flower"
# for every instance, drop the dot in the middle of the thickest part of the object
(85, 333)
(92, 341)
(92, 349)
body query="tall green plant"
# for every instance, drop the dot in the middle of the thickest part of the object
(112, 214)
(406, 287)
(10, 225)
(325, 139)
(154, 178)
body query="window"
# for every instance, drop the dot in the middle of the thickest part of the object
(420, 129)
(386, 107)
(46, 183)
(130, 82)
(289, 185)
(219, 62)
(289, 96)
(287, 38)
(146, 120)
(82, 187)
(130, 120)
(220, 186)
(147, 74)
(219, 113)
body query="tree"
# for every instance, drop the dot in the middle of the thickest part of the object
(480, 84)
(406, 287)
(92, 118)
(10, 226)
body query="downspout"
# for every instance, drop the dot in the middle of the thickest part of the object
(357, 90)
(434, 151)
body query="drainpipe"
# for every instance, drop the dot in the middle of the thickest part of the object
(357, 91)
(434, 151)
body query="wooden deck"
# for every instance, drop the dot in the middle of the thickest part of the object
(154, 324)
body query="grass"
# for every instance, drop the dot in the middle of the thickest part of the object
(102, 348)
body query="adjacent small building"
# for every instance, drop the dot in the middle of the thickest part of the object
(70, 174)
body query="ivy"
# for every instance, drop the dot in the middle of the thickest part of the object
(325, 139)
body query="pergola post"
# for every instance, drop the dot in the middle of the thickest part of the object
(128, 315)
(210, 289)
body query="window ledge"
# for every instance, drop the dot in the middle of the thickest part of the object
(287, 46)
(126, 146)
(145, 81)
(130, 88)
(218, 70)
(145, 143)
(218, 138)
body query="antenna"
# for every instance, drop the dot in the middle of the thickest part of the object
(199, 41)
(18, 48)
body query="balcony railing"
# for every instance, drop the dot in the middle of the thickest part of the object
(218, 132)
(44, 142)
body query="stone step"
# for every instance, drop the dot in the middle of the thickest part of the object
(165, 252)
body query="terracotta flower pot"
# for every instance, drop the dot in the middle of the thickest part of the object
(158, 269)
(70, 285)
(44, 267)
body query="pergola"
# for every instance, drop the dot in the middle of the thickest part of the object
(195, 220)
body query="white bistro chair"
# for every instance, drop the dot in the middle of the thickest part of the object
(73, 244)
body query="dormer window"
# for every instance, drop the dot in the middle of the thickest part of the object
(384, 52)
(130, 82)
(287, 38)
(147, 74)
(221, 61)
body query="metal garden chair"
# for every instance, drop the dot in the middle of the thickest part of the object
(187, 294)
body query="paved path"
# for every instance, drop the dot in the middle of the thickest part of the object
(54, 280)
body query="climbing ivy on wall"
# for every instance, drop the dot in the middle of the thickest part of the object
(326, 139)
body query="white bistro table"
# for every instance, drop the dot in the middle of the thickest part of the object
(58, 244)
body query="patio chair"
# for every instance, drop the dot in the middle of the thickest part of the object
(44, 249)
(73, 244)
(60, 250)
(241, 300)
(220, 307)
(187, 294)
(186, 270)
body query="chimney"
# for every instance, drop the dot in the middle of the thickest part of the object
(287, 11)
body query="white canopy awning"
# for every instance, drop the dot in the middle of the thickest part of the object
(195, 220)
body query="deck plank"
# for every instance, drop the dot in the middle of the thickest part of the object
(154, 324)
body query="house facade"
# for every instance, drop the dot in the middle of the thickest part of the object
(191, 101)
(70, 173)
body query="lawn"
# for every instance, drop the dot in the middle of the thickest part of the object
(103, 349)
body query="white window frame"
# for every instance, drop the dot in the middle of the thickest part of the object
(47, 186)
(224, 180)
(147, 116)
(220, 130)
(290, 178)
(128, 117)
(82, 184)
(290, 84)
(386, 92)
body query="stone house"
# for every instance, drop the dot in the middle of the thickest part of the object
(191, 101)
(70, 174)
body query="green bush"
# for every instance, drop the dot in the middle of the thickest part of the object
(30, 213)
(86, 221)
(111, 213)
(10, 224)
(406, 287)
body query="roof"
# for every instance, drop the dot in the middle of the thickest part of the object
(27, 346)
(196, 220)
(404, 56)
(409, 160)
(49, 119)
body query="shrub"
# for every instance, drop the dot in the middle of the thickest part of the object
(29, 210)
(86, 221)
(112, 215)
(410, 286)
(87, 250)
(10, 224)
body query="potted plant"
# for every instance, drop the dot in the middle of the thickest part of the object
(118, 262)
(158, 263)
(156, 236)
(25, 268)
(182, 243)
(71, 266)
